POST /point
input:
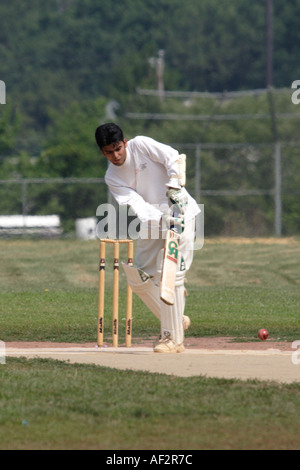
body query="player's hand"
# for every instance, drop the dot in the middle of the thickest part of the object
(177, 199)
(174, 223)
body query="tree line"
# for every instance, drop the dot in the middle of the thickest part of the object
(65, 61)
(59, 51)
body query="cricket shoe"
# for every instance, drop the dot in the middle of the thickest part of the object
(167, 345)
(186, 322)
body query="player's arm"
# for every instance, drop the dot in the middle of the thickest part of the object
(177, 196)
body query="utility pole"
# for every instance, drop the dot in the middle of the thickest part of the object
(277, 146)
(269, 43)
(159, 63)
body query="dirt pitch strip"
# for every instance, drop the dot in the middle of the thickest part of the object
(254, 361)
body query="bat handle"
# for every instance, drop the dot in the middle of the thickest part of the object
(177, 228)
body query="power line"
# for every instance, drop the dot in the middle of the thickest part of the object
(197, 117)
(52, 180)
(200, 94)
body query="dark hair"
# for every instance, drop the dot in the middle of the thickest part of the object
(107, 134)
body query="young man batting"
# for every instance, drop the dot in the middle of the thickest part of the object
(149, 177)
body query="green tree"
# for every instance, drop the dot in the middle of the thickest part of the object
(71, 151)
(9, 125)
(58, 52)
(70, 148)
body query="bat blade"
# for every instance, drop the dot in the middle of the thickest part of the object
(169, 267)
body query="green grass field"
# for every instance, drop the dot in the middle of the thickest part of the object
(49, 292)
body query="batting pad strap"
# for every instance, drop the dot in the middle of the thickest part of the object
(179, 280)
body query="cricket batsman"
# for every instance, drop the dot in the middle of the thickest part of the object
(149, 177)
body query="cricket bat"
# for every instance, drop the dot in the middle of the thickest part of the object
(171, 251)
(169, 267)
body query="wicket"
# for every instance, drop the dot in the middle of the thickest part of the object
(115, 311)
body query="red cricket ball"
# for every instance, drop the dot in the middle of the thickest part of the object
(263, 334)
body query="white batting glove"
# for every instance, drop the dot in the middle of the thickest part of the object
(178, 200)
(174, 223)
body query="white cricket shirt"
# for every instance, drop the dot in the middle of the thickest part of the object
(141, 182)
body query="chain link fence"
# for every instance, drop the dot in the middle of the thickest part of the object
(247, 190)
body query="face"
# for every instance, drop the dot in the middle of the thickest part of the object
(116, 152)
